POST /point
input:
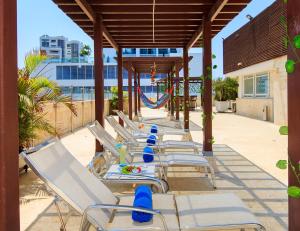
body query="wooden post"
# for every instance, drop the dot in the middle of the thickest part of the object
(293, 19)
(177, 92)
(135, 95)
(157, 91)
(169, 87)
(186, 89)
(120, 83)
(139, 97)
(207, 87)
(172, 95)
(99, 81)
(9, 138)
(130, 92)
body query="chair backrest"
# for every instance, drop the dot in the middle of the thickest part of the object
(71, 181)
(126, 135)
(105, 139)
(129, 122)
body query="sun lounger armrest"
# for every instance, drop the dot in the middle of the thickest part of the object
(126, 208)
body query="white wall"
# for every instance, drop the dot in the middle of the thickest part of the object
(252, 107)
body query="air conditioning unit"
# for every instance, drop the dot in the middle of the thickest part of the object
(265, 113)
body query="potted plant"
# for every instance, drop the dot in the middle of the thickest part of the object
(225, 90)
(34, 92)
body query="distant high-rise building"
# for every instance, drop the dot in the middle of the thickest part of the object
(59, 47)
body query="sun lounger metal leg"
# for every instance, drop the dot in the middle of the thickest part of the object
(63, 225)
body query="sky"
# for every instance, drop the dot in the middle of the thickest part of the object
(39, 17)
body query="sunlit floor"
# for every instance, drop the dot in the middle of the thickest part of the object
(246, 151)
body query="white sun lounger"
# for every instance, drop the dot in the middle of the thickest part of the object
(100, 208)
(135, 128)
(161, 145)
(164, 160)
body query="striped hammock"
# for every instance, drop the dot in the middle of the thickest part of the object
(159, 103)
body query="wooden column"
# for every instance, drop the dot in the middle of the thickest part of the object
(120, 83)
(172, 95)
(99, 80)
(9, 138)
(207, 87)
(157, 91)
(135, 95)
(130, 92)
(293, 18)
(169, 86)
(186, 89)
(177, 92)
(139, 97)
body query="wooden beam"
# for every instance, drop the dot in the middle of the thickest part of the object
(130, 91)
(216, 9)
(139, 97)
(293, 8)
(99, 79)
(195, 38)
(177, 92)
(120, 82)
(186, 89)
(9, 136)
(89, 12)
(207, 88)
(135, 95)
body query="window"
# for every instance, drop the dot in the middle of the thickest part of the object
(173, 50)
(262, 85)
(256, 86)
(73, 72)
(111, 72)
(248, 86)
(105, 72)
(81, 72)
(89, 72)
(66, 72)
(59, 73)
(163, 51)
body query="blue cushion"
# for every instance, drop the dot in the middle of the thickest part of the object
(146, 157)
(142, 202)
(154, 129)
(143, 191)
(151, 140)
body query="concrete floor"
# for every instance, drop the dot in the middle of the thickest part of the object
(246, 152)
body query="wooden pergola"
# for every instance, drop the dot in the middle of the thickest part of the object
(166, 65)
(137, 24)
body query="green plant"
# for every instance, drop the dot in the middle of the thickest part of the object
(225, 89)
(85, 51)
(34, 92)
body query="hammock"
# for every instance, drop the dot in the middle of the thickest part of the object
(159, 103)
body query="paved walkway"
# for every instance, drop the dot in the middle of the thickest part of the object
(246, 151)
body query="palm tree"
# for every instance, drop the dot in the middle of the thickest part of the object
(34, 92)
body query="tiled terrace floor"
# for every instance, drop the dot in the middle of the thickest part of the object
(265, 195)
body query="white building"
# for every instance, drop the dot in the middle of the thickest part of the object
(79, 76)
(58, 47)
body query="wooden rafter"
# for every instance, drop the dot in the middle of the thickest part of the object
(129, 23)
(89, 12)
(215, 10)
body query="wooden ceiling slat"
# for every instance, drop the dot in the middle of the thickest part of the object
(149, 2)
(129, 22)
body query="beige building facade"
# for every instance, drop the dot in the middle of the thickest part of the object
(263, 91)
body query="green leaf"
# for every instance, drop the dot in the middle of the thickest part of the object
(215, 66)
(290, 66)
(286, 42)
(294, 191)
(214, 56)
(282, 164)
(297, 41)
(285, 1)
(284, 130)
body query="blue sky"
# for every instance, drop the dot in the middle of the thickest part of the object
(38, 17)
